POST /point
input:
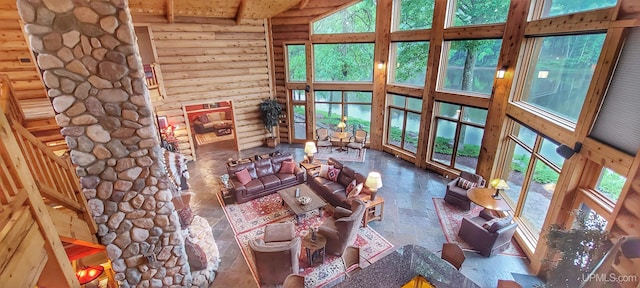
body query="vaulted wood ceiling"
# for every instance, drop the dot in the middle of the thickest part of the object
(190, 10)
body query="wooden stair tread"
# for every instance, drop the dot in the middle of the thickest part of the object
(37, 108)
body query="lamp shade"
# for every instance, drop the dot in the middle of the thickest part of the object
(499, 184)
(310, 148)
(374, 180)
(88, 274)
(342, 125)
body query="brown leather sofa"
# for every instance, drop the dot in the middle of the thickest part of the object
(491, 240)
(265, 178)
(342, 229)
(335, 192)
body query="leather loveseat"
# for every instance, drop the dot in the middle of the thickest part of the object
(335, 192)
(265, 177)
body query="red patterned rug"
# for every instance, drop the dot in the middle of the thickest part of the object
(248, 220)
(451, 218)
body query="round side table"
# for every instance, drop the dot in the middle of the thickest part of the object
(314, 249)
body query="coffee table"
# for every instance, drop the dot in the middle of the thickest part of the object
(289, 198)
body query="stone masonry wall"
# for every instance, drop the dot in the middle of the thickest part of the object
(95, 80)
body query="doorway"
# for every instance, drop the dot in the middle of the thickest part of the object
(211, 126)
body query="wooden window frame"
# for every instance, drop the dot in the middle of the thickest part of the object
(459, 122)
(405, 112)
(285, 47)
(393, 60)
(343, 102)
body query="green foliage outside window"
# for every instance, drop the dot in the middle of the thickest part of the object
(562, 7)
(410, 63)
(343, 62)
(357, 18)
(415, 14)
(297, 59)
(474, 12)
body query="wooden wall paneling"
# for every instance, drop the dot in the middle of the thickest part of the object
(551, 129)
(511, 47)
(381, 56)
(572, 23)
(171, 11)
(495, 31)
(605, 155)
(466, 100)
(431, 79)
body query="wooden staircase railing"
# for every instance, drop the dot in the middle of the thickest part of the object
(8, 101)
(32, 252)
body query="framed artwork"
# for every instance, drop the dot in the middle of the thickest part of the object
(162, 122)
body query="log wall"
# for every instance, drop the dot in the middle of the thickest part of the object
(13, 47)
(209, 63)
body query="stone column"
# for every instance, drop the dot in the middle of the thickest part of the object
(94, 76)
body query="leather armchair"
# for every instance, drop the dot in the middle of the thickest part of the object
(458, 196)
(341, 230)
(491, 241)
(275, 260)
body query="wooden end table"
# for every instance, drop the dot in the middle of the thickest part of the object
(374, 210)
(314, 249)
(310, 167)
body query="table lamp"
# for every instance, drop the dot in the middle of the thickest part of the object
(373, 182)
(310, 149)
(499, 185)
(342, 125)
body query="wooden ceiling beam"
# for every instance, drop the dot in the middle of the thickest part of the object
(241, 9)
(171, 11)
(303, 4)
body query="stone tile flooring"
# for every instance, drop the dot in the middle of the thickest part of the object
(409, 215)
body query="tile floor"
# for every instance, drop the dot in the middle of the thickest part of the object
(409, 215)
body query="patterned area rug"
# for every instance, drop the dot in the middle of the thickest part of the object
(249, 219)
(451, 218)
(324, 154)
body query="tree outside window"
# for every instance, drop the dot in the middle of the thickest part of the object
(413, 14)
(562, 7)
(560, 73)
(408, 63)
(474, 12)
(470, 65)
(296, 63)
(343, 62)
(357, 18)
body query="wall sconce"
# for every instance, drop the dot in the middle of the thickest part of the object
(381, 65)
(543, 74)
(501, 72)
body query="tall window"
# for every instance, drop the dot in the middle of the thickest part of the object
(298, 101)
(560, 73)
(296, 63)
(408, 64)
(413, 14)
(333, 106)
(610, 184)
(459, 131)
(532, 171)
(403, 122)
(343, 62)
(561, 7)
(470, 65)
(474, 12)
(357, 18)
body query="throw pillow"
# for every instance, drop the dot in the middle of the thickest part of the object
(195, 255)
(489, 223)
(324, 169)
(350, 187)
(203, 118)
(466, 184)
(185, 215)
(332, 174)
(356, 191)
(287, 167)
(501, 223)
(243, 176)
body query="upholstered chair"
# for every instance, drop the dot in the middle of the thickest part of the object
(342, 229)
(276, 256)
(357, 141)
(453, 254)
(322, 138)
(457, 195)
(293, 281)
(486, 233)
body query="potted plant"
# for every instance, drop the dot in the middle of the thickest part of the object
(271, 111)
(574, 252)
